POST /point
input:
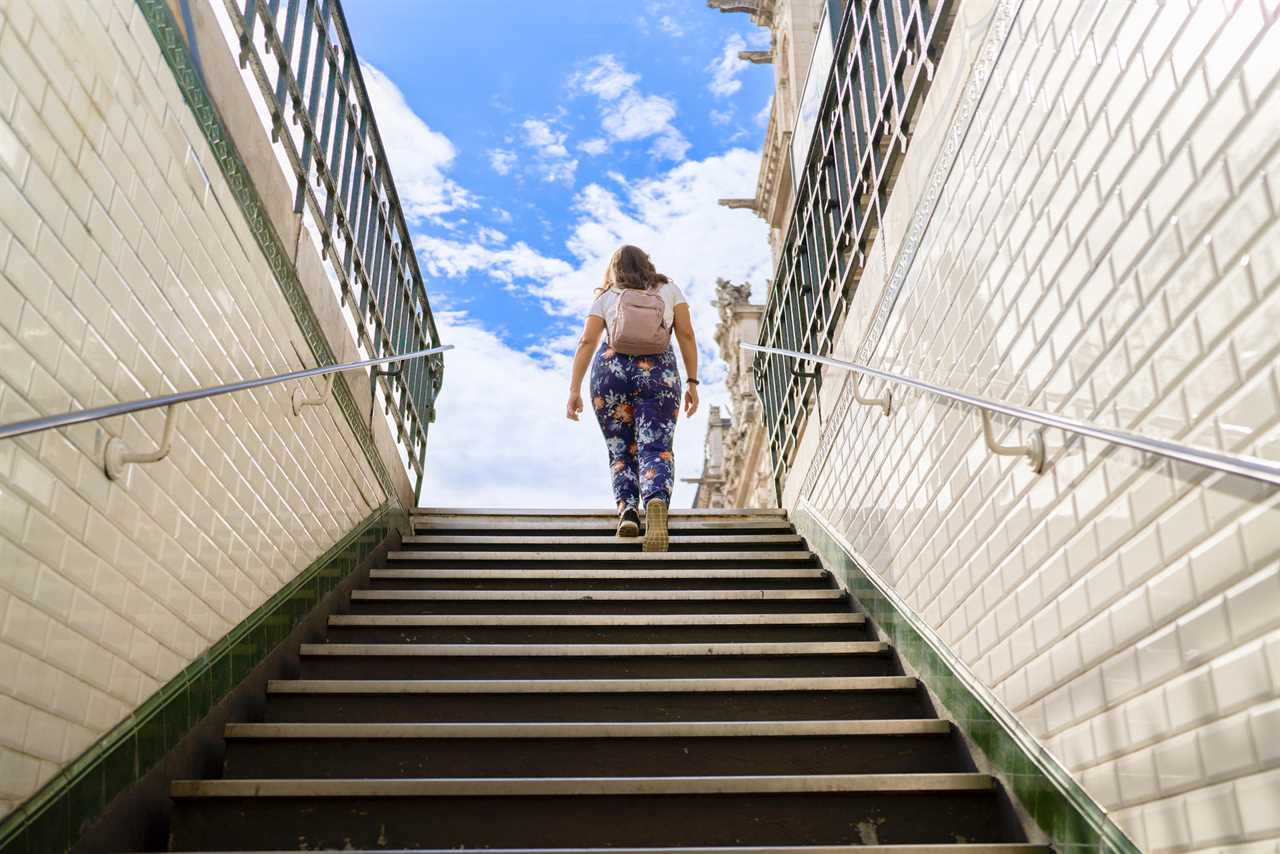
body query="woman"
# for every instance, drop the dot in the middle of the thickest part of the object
(636, 397)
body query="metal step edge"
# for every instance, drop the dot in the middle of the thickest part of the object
(726, 526)
(599, 574)
(624, 557)
(559, 620)
(589, 595)
(589, 650)
(582, 786)
(808, 684)
(601, 540)
(683, 729)
(580, 512)
(932, 848)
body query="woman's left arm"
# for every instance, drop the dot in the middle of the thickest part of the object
(689, 354)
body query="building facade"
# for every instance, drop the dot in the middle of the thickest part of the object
(794, 28)
(737, 471)
(736, 468)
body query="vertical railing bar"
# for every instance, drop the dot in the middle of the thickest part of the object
(304, 57)
(336, 98)
(354, 199)
(290, 25)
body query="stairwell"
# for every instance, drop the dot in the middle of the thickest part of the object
(525, 680)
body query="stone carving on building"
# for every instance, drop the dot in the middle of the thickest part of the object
(737, 471)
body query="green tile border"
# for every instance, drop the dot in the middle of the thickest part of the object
(177, 54)
(1072, 820)
(53, 818)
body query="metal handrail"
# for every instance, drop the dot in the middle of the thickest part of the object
(1235, 464)
(67, 419)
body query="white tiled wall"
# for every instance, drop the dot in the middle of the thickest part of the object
(124, 274)
(1107, 246)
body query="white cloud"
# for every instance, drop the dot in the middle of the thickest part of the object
(539, 134)
(606, 79)
(726, 67)
(441, 256)
(419, 155)
(554, 163)
(490, 235)
(670, 146)
(670, 26)
(501, 438)
(626, 113)
(595, 146)
(475, 456)
(722, 117)
(501, 160)
(636, 116)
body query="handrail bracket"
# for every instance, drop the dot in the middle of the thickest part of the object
(301, 401)
(885, 403)
(117, 455)
(1033, 450)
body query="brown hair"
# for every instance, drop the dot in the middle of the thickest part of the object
(630, 267)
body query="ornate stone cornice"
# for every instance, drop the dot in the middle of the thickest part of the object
(761, 11)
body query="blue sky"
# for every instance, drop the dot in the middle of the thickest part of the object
(525, 147)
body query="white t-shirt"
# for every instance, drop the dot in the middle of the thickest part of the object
(606, 305)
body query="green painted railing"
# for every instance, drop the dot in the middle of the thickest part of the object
(301, 55)
(884, 59)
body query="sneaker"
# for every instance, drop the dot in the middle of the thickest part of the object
(629, 523)
(655, 521)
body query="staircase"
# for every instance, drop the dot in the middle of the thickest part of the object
(525, 680)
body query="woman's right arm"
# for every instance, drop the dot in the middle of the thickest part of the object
(581, 361)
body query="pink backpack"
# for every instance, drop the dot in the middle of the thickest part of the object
(638, 328)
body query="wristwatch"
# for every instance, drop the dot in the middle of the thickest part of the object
(691, 381)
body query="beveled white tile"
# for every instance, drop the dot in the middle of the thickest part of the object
(1178, 763)
(1190, 699)
(1213, 815)
(1242, 677)
(1227, 747)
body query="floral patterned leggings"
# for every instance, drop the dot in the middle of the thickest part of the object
(636, 400)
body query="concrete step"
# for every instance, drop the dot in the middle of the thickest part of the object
(596, 628)
(663, 574)
(558, 620)
(711, 685)
(571, 661)
(265, 751)
(616, 581)
(594, 595)
(599, 577)
(607, 650)
(586, 700)
(568, 527)
(957, 848)
(700, 542)
(628, 730)
(589, 787)
(595, 812)
(587, 601)
(589, 513)
(612, 559)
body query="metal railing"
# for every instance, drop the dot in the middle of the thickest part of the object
(116, 456)
(300, 52)
(1253, 468)
(884, 60)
